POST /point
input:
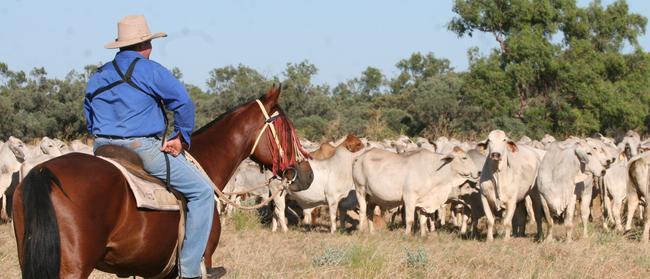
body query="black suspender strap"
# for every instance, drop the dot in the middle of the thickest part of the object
(129, 71)
(105, 88)
(117, 68)
(126, 78)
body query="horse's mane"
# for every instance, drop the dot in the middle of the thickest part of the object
(221, 116)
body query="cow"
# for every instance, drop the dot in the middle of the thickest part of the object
(616, 182)
(248, 179)
(547, 140)
(46, 150)
(466, 200)
(630, 144)
(639, 188)
(420, 180)
(507, 177)
(332, 183)
(78, 146)
(12, 154)
(562, 179)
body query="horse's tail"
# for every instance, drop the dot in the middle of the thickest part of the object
(41, 243)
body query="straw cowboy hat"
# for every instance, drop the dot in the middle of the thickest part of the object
(131, 30)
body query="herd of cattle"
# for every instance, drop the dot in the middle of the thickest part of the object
(519, 181)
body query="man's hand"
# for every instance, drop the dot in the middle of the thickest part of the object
(172, 146)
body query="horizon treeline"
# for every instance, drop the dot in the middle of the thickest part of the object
(558, 69)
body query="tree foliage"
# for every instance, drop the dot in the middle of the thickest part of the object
(558, 68)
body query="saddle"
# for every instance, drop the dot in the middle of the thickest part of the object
(149, 191)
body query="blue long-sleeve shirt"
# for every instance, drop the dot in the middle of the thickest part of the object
(124, 111)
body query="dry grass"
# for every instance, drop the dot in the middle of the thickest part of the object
(250, 250)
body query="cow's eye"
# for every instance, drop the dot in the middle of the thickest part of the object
(589, 153)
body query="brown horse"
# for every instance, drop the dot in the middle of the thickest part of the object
(76, 212)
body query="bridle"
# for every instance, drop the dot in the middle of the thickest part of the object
(268, 123)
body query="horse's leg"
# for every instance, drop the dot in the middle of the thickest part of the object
(213, 241)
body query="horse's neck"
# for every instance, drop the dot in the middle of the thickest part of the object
(222, 147)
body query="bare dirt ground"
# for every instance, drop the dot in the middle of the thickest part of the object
(250, 250)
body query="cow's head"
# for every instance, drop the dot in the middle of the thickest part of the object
(462, 164)
(18, 147)
(592, 160)
(50, 146)
(547, 140)
(498, 145)
(604, 153)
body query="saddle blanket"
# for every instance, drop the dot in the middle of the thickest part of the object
(151, 195)
(147, 194)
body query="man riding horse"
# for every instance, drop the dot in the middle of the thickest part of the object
(124, 106)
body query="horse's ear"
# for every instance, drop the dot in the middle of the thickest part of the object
(273, 94)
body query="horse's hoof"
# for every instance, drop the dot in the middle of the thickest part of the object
(216, 272)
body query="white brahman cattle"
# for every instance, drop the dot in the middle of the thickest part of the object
(332, 183)
(420, 180)
(562, 180)
(639, 171)
(507, 177)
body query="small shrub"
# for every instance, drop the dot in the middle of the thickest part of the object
(331, 257)
(365, 260)
(245, 220)
(416, 259)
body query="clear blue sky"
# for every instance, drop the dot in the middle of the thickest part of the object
(341, 38)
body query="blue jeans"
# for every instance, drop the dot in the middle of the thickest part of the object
(188, 180)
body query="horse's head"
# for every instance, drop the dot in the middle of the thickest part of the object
(276, 145)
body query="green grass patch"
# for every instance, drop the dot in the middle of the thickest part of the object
(416, 258)
(245, 220)
(331, 257)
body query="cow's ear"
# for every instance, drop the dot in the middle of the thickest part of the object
(582, 156)
(512, 146)
(435, 146)
(482, 145)
(621, 156)
(448, 158)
